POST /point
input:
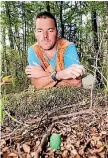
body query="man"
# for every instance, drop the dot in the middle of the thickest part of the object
(52, 61)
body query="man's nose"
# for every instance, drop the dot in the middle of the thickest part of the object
(45, 34)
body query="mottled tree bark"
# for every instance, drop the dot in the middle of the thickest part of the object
(96, 46)
(61, 19)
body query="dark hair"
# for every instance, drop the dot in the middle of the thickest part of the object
(45, 15)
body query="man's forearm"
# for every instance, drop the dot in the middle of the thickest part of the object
(46, 81)
(70, 82)
(43, 82)
(70, 76)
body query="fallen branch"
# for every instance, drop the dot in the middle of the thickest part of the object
(61, 108)
(71, 115)
(37, 126)
(44, 142)
(62, 124)
(46, 114)
(69, 106)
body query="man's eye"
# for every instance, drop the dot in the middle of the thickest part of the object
(50, 30)
(39, 31)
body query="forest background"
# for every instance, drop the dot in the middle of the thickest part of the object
(84, 23)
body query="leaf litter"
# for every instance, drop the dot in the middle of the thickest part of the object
(84, 134)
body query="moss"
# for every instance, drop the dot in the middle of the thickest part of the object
(38, 101)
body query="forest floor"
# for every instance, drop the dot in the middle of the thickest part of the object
(83, 129)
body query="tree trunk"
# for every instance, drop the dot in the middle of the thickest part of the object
(3, 54)
(48, 6)
(80, 32)
(10, 33)
(61, 19)
(96, 46)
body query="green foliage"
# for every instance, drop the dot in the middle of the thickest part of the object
(2, 113)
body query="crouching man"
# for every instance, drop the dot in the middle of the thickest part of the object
(52, 60)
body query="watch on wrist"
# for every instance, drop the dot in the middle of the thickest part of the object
(53, 76)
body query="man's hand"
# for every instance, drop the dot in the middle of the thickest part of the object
(35, 71)
(71, 72)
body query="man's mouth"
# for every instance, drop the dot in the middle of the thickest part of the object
(46, 40)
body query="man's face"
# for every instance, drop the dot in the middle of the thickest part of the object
(46, 33)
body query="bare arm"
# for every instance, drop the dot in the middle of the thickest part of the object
(48, 82)
(71, 82)
(39, 77)
(69, 76)
(43, 82)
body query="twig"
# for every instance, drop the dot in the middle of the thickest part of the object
(100, 73)
(19, 151)
(36, 127)
(71, 115)
(12, 132)
(65, 107)
(46, 114)
(91, 123)
(44, 141)
(15, 119)
(62, 124)
(95, 75)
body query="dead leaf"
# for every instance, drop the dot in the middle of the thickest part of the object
(93, 157)
(78, 144)
(69, 129)
(8, 129)
(96, 150)
(102, 154)
(96, 142)
(99, 150)
(68, 146)
(5, 149)
(8, 79)
(28, 143)
(93, 130)
(26, 148)
(93, 143)
(37, 143)
(74, 152)
(24, 155)
(65, 154)
(33, 154)
(28, 156)
(103, 133)
(96, 138)
(14, 155)
(77, 156)
(4, 154)
(99, 144)
(51, 154)
(3, 143)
